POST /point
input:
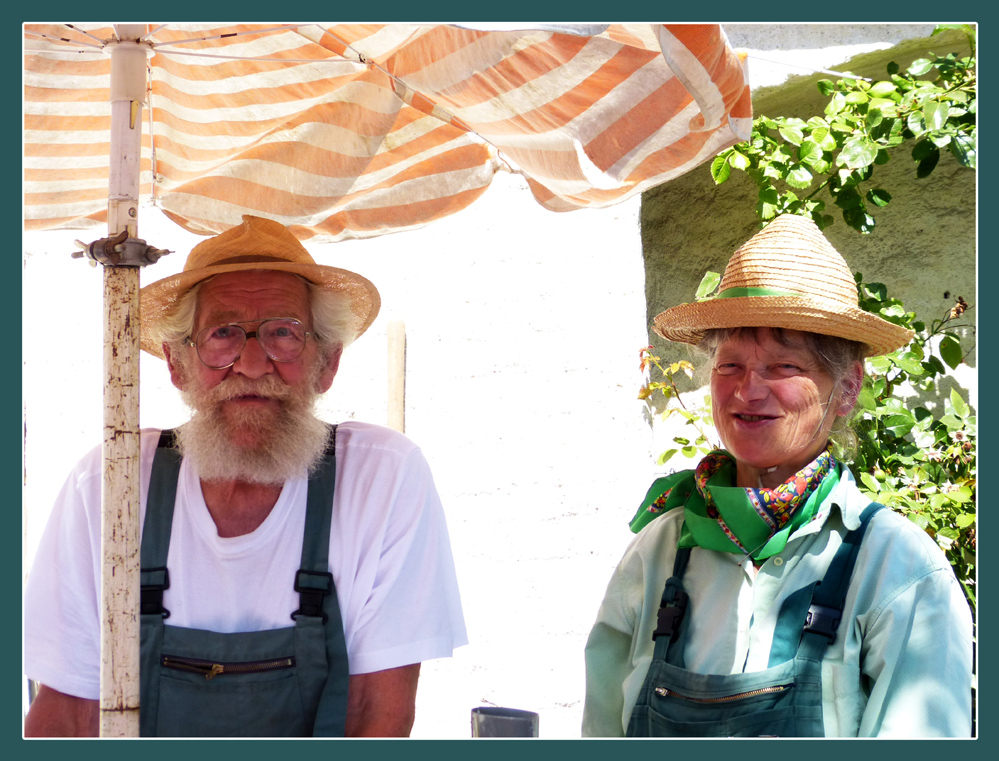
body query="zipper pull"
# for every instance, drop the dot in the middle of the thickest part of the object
(217, 668)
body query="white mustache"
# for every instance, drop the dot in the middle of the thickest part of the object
(267, 386)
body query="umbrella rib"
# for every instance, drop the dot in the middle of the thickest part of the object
(282, 28)
(84, 32)
(241, 57)
(62, 39)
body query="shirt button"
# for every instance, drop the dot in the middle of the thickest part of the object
(778, 561)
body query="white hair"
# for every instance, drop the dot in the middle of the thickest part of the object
(333, 320)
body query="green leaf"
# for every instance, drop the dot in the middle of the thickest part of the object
(935, 114)
(963, 148)
(965, 519)
(870, 482)
(809, 151)
(893, 68)
(878, 197)
(767, 204)
(848, 198)
(919, 67)
(666, 456)
(858, 152)
(899, 425)
(707, 285)
(874, 118)
(940, 139)
(911, 363)
(739, 160)
(799, 177)
(866, 399)
(950, 351)
(859, 220)
(960, 495)
(961, 407)
(792, 134)
(857, 98)
(826, 87)
(720, 169)
(836, 103)
(952, 422)
(883, 89)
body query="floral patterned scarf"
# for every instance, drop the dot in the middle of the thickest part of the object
(720, 516)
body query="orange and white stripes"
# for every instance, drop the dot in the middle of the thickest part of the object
(354, 130)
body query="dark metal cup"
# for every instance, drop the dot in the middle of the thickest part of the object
(503, 722)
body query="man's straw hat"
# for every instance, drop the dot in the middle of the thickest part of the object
(786, 276)
(256, 244)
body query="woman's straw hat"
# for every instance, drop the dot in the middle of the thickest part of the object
(256, 244)
(786, 276)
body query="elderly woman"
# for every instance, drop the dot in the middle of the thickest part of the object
(764, 595)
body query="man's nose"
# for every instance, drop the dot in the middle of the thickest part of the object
(253, 361)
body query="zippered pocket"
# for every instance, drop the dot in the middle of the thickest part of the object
(212, 669)
(665, 692)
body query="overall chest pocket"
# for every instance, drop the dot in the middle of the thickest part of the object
(776, 702)
(231, 685)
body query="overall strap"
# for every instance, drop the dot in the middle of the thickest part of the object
(672, 607)
(810, 617)
(154, 578)
(318, 599)
(314, 582)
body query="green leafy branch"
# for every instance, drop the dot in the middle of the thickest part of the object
(793, 161)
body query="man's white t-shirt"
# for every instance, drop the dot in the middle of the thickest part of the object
(389, 554)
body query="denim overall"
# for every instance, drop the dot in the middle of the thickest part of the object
(784, 700)
(277, 683)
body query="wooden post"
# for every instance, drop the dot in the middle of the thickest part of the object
(397, 375)
(119, 703)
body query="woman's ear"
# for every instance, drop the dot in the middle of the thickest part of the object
(850, 388)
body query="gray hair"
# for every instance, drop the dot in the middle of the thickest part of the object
(333, 321)
(835, 355)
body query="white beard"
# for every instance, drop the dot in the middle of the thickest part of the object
(286, 444)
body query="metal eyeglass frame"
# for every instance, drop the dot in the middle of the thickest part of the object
(247, 335)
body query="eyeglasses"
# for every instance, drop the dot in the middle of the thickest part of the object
(219, 346)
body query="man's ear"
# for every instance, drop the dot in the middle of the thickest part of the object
(851, 386)
(328, 371)
(176, 371)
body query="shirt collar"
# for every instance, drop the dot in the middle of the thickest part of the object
(846, 498)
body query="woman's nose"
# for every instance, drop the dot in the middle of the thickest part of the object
(752, 386)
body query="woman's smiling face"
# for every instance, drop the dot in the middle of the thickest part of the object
(773, 403)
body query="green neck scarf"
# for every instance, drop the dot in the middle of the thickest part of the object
(727, 518)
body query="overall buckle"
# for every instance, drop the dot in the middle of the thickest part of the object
(312, 588)
(823, 620)
(670, 615)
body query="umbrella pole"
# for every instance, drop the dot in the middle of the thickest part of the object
(119, 703)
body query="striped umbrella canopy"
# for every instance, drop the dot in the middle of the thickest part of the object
(355, 130)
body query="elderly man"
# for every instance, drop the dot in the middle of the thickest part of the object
(294, 574)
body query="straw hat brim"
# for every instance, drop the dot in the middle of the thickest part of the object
(687, 323)
(158, 299)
